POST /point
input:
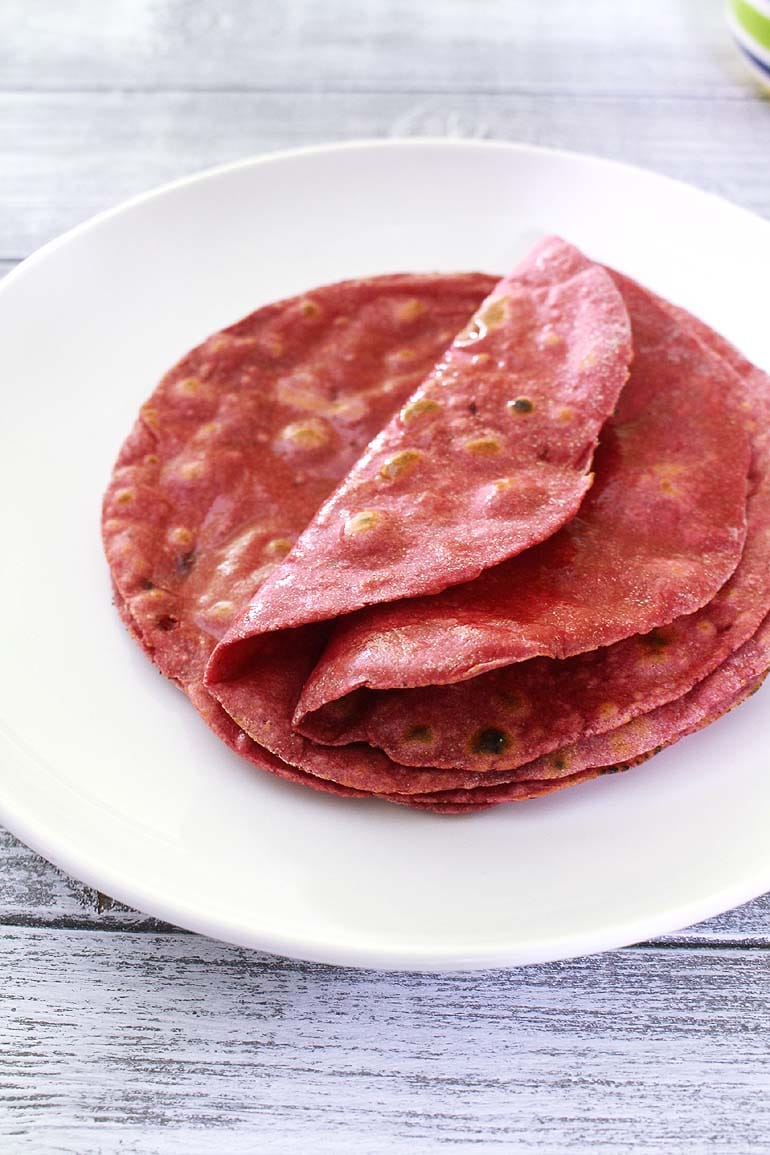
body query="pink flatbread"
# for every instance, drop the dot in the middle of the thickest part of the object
(462, 618)
(660, 532)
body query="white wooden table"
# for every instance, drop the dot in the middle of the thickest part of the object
(118, 1033)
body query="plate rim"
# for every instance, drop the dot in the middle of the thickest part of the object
(361, 143)
(65, 854)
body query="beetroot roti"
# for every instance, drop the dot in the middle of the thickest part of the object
(382, 508)
(658, 535)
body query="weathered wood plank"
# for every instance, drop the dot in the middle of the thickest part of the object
(35, 894)
(68, 156)
(181, 1044)
(370, 45)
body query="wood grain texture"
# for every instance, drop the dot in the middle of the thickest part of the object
(67, 156)
(121, 1034)
(177, 1043)
(33, 893)
(489, 46)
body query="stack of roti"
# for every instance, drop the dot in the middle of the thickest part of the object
(452, 540)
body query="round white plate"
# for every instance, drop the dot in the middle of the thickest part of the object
(106, 769)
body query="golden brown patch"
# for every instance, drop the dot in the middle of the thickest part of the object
(400, 465)
(411, 309)
(668, 469)
(181, 536)
(221, 611)
(191, 470)
(363, 522)
(625, 741)
(155, 596)
(149, 416)
(278, 546)
(300, 393)
(419, 408)
(188, 387)
(310, 434)
(494, 314)
(485, 446)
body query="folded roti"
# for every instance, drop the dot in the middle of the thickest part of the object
(656, 538)
(374, 505)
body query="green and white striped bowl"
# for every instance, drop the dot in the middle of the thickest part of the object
(749, 22)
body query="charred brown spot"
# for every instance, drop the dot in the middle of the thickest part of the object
(166, 623)
(656, 641)
(146, 584)
(419, 734)
(544, 453)
(512, 701)
(473, 408)
(521, 405)
(185, 561)
(490, 741)
(610, 769)
(559, 763)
